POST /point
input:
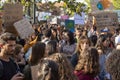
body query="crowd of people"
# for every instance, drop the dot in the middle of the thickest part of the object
(56, 53)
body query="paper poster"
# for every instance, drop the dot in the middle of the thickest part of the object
(24, 28)
(43, 16)
(79, 19)
(69, 24)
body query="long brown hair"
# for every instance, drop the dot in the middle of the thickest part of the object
(65, 69)
(38, 51)
(89, 62)
(81, 40)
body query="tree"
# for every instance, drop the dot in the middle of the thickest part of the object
(116, 4)
(72, 6)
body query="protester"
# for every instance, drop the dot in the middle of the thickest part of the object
(9, 70)
(19, 56)
(82, 45)
(113, 64)
(104, 51)
(70, 46)
(38, 52)
(65, 70)
(87, 67)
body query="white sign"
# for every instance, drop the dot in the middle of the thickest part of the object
(54, 20)
(24, 28)
(43, 16)
(79, 19)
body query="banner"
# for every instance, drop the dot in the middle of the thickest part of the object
(24, 28)
(69, 24)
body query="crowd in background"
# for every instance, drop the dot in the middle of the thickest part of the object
(55, 53)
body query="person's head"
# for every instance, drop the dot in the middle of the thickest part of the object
(65, 69)
(47, 33)
(84, 33)
(83, 43)
(54, 32)
(18, 51)
(38, 52)
(69, 36)
(89, 62)
(78, 31)
(113, 64)
(102, 43)
(51, 47)
(7, 42)
(48, 70)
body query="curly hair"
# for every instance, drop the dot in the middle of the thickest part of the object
(89, 62)
(113, 64)
(65, 69)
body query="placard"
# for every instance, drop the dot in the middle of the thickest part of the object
(12, 13)
(79, 19)
(106, 18)
(24, 28)
(69, 24)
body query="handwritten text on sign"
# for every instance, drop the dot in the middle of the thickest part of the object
(12, 13)
(24, 28)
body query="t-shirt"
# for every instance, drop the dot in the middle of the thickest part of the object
(9, 70)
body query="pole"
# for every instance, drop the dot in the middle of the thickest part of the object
(34, 10)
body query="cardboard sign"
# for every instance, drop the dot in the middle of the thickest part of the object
(12, 13)
(69, 24)
(24, 28)
(79, 19)
(106, 18)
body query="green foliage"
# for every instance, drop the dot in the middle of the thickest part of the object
(116, 4)
(72, 6)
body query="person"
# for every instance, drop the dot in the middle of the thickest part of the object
(9, 69)
(19, 56)
(82, 45)
(113, 64)
(70, 45)
(103, 51)
(88, 65)
(38, 52)
(51, 47)
(61, 69)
